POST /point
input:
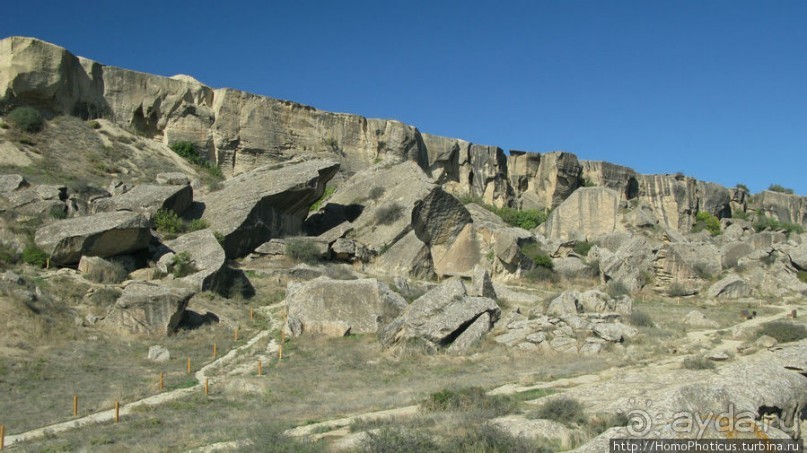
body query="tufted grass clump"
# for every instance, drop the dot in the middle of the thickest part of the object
(34, 256)
(698, 363)
(564, 409)
(27, 119)
(783, 331)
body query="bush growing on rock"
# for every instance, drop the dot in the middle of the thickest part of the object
(188, 151)
(780, 188)
(707, 221)
(112, 274)
(564, 410)
(303, 251)
(698, 363)
(27, 119)
(763, 223)
(34, 256)
(616, 288)
(167, 222)
(582, 248)
(388, 214)
(538, 256)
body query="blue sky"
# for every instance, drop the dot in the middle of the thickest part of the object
(715, 89)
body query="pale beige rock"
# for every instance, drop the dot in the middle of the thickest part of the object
(588, 213)
(149, 309)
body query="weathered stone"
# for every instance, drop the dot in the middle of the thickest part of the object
(536, 337)
(363, 306)
(592, 346)
(440, 315)
(149, 309)
(471, 335)
(481, 285)
(687, 265)
(798, 256)
(588, 213)
(10, 183)
(615, 332)
(564, 345)
(104, 235)
(349, 250)
(159, 354)
(766, 341)
(786, 208)
(207, 256)
(676, 199)
(730, 287)
(95, 265)
(573, 268)
(631, 264)
(173, 178)
(697, 319)
(564, 305)
(267, 202)
(148, 199)
(409, 257)
(732, 252)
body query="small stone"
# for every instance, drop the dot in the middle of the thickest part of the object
(159, 354)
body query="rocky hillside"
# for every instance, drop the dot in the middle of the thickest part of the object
(240, 131)
(147, 208)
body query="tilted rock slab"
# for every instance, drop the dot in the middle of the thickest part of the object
(588, 213)
(267, 202)
(440, 316)
(148, 199)
(103, 235)
(207, 256)
(337, 307)
(150, 309)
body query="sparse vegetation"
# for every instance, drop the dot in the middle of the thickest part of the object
(783, 331)
(527, 219)
(469, 399)
(169, 224)
(188, 151)
(780, 188)
(376, 192)
(27, 119)
(302, 250)
(539, 257)
(802, 275)
(641, 319)
(707, 221)
(34, 256)
(112, 274)
(325, 195)
(563, 409)
(741, 215)
(389, 214)
(698, 363)
(743, 187)
(616, 288)
(763, 223)
(582, 248)
(677, 289)
(181, 265)
(8, 254)
(392, 439)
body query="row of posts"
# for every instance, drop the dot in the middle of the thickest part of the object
(162, 379)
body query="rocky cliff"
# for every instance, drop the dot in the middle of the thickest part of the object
(241, 131)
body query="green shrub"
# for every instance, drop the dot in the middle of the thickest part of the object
(802, 276)
(112, 274)
(676, 289)
(541, 275)
(491, 439)
(707, 221)
(167, 222)
(395, 439)
(27, 119)
(325, 195)
(188, 151)
(616, 288)
(779, 188)
(8, 254)
(763, 223)
(742, 186)
(301, 250)
(376, 192)
(640, 319)
(538, 256)
(698, 363)
(469, 399)
(58, 212)
(94, 124)
(783, 331)
(197, 224)
(582, 248)
(741, 215)
(388, 214)
(34, 255)
(563, 409)
(181, 265)
(527, 219)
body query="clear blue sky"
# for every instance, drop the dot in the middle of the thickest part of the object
(716, 89)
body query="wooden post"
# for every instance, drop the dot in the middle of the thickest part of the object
(2, 436)
(280, 352)
(207, 386)
(282, 336)
(260, 368)
(75, 405)
(47, 263)
(215, 350)
(189, 365)
(117, 411)
(162, 380)
(251, 314)
(235, 334)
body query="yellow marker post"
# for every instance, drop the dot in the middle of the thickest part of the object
(189, 365)
(117, 411)
(215, 350)
(260, 368)
(235, 334)
(162, 380)
(207, 386)
(251, 314)
(280, 352)
(75, 405)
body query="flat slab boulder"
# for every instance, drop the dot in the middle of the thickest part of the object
(104, 235)
(337, 307)
(441, 316)
(206, 254)
(269, 201)
(148, 199)
(149, 309)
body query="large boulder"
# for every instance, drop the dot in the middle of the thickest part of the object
(686, 267)
(104, 235)
(730, 287)
(270, 201)
(440, 316)
(357, 306)
(148, 199)
(149, 309)
(206, 255)
(588, 213)
(631, 264)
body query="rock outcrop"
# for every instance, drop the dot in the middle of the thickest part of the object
(267, 202)
(104, 235)
(148, 199)
(206, 255)
(338, 307)
(149, 309)
(587, 213)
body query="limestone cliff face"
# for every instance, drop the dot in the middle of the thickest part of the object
(242, 131)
